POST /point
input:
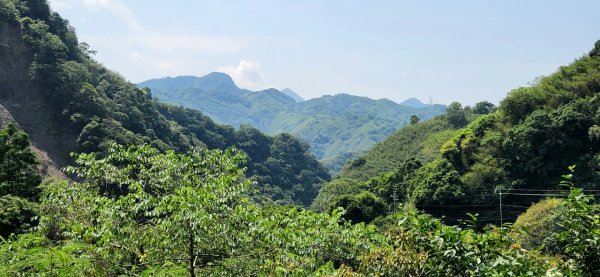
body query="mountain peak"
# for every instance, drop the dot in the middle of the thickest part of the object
(217, 76)
(413, 102)
(216, 81)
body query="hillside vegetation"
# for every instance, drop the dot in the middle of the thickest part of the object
(140, 212)
(337, 127)
(521, 150)
(161, 207)
(69, 102)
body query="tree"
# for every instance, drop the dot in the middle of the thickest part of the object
(155, 207)
(596, 51)
(18, 174)
(484, 107)
(362, 207)
(579, 235)
(143, 212)
(341, 186)
(16, 215)
(18, 181)
(456, 115)
(521, 102)
(414, 119)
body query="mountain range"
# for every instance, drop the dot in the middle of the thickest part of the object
(337, 127)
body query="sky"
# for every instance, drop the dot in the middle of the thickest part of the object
(465, 51)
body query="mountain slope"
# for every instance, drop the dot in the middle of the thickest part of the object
(337, 127)
(523, 149)
(292, 94)
(421, 141)
(20, 103)
(67, 102)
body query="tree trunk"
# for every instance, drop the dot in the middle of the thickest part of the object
(192, 256)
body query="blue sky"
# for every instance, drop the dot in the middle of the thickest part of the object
(464, 51)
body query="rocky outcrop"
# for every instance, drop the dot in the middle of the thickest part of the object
(21, 102)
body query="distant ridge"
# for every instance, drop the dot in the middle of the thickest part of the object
(413, 102)
(337, 127)
(213, 81)
(292, 94)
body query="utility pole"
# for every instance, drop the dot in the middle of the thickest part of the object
(501, 219)
(395, 198)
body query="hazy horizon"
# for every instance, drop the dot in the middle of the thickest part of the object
(424, 101)
(464, 51)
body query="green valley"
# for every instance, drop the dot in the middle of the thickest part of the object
(337, 127)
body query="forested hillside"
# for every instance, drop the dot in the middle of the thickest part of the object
(337, 127)
(158, 190)
(71, 103)
(518, 152)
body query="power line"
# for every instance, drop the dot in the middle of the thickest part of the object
(548, 190)
(596, 190)
(516, 206)
(457, 205)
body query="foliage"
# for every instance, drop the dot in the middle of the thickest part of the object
(414, 119)
(436, 182)
(135, 197)
(144, 211)
(16, 215)
(408, 142)
(456, 115)
(288, 162)
(361, 207)
(18, 174)
(539, 222)
(330, 190)
(484, 107)
(579, 235)
(33, 254)
(419, 245)
(19, 181)
(137, 211)
(140, 212)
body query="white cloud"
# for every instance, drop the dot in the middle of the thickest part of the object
(246, 75)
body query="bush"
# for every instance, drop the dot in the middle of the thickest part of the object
(16, 215)
(539, 222)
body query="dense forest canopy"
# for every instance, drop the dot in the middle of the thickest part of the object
(141, 212)
(158, 190)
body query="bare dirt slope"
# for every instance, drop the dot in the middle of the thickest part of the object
(22, 102)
